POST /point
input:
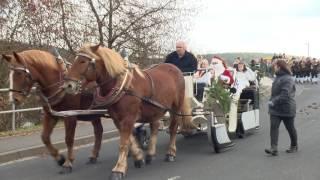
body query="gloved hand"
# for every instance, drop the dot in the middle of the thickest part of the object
(270, 103)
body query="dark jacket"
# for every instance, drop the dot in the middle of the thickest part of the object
(282, 95)
(188, 63)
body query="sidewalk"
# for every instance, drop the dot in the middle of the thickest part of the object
(17, 147)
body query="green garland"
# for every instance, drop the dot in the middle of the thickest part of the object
(218, 94)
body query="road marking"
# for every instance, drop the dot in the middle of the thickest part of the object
(174, 178)
(60, 150)
(18, 160)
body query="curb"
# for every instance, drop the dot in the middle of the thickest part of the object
(41, 149)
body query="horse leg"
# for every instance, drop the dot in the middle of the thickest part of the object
(70, 127)
(171, 153)
(125, 131)
(98, 131)
(137, 152)
(134, 148)
(48, 124)
(153, 141)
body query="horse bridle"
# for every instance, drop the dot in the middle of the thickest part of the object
(24, 91)
(92, 64)
(92, 61)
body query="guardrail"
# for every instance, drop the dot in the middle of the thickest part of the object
(13, 110)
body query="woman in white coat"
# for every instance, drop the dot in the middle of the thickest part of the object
(243, 78)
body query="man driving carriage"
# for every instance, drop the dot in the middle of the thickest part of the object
(183, 59)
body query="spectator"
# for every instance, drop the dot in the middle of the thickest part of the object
(203, 78)
(282, 107)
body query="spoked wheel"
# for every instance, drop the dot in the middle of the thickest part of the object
(201, 122)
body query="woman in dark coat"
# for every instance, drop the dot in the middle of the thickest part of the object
(282, 107)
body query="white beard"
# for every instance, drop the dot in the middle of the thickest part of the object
(218, 69)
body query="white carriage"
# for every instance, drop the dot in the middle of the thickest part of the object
(242, 119)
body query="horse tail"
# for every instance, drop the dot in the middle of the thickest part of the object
(186, 117)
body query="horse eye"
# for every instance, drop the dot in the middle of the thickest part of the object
(82, 61)
(18, 73)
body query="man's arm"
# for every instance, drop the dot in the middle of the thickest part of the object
(193, 64)
(168, 58)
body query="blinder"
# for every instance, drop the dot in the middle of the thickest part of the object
(24, 69)
(77, 84)
(92, 62)
(24, 91)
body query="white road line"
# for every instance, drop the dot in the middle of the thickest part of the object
(60, 150)
(174, 178)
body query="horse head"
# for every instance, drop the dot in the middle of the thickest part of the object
(30, 67)
(93, 63)
(22, 77)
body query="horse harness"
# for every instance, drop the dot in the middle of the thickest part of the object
(118, 92)
(51, 100)
(23, 91)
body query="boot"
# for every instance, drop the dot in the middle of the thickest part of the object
(292, 149)
(271, 151)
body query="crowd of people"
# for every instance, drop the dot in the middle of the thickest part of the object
(305, 70)
(216, 69)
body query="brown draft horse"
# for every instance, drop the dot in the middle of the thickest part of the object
(133, 96)
(35, 66)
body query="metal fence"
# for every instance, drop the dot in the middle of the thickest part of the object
(13, 110)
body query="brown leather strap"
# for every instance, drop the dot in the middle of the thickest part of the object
(151, 84)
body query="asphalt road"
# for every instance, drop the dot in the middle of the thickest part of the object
(196, 159)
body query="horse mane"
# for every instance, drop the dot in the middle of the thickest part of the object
(113, 62)
(38, 57)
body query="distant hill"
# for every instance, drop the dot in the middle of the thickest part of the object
(247, 57)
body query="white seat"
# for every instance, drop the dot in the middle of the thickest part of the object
(188, 86)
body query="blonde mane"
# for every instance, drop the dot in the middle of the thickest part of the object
(112, 60)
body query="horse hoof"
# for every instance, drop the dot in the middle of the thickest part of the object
(65, 170)
(149, 159)
(61, 160)
(92, 160)
(116, 176)
(170, 158)
(138, 163)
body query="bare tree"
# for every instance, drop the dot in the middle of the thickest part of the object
(145, 27)
(12, 19)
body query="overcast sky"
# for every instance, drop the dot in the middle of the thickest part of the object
(273, 26)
